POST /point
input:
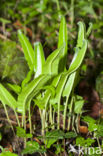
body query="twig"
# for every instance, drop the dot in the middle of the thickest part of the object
(12, 122)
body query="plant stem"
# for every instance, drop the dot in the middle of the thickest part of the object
(53, 119)
(43, 122)
(58, 121)
(30, 119)
(50, 115)
(8, 118)
(77, 121)
(65, 112)
(17, 118)
(69, 119)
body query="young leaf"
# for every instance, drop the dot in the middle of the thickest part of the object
(6, 98)
(27, 49)
(61, 41)
(39, 58)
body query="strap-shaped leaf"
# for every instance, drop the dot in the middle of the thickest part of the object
(72, 80)
(6, 98)
(27, 49)
(30, 90)
(69, 85)
(78, 57)
(39, 58)
(76, 62)
(52, 63)
(61, 41)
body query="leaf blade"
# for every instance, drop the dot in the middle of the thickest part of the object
(27, 49)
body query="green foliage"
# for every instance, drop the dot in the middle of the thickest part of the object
(14, 87)
(49, 83)
(52, 81)
(63, 40)
(6, 98)
(84, 142)
(30, 90)
(78, 105)
(27, 49)
(41, 68)
(94, 126)
(39, 58)
(55, 135)
(33, 147)
(51, 65)
(22, 133)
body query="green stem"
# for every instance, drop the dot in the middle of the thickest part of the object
(30, 119)
(58, 121)
(8, 117)
(44, 112)
(77, 121)
(50, 115)
(17, 118)
(65, 112)
(24, 124)
(54, 119)
(69, 118)
(43, 122)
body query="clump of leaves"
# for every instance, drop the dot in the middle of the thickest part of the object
(52, 81)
